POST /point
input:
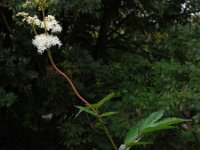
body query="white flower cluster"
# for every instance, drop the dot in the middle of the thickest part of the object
(51, 24)
(44, 42)
(39, 3)
(30, 20)
(24, 14)
(33, 20)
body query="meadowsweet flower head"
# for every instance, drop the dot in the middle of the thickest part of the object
(23, 14)
(51, 24)
(38, 3)
(33, 20)
(30, 20)
(27, 4)
(44, 42)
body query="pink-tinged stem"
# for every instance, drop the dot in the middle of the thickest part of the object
(70, 82)
(76, 92)
(82, 99)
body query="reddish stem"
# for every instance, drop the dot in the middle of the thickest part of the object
(82, 99)
(70, 82)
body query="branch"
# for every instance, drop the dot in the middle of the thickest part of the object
(70, 82)
(5, 21)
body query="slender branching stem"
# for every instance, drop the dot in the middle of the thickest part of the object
(45, 25)
(107, 133)
(5, 21)
(69, 81)
(74, 88)
(84, 100)
(34, 30)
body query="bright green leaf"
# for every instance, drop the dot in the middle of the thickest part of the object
(132, 135)
(85, 109)
(149, 121)
(137, 143)
(108, 114)
(170, 121)
(104, 100)
(151, 129)
(151, 124)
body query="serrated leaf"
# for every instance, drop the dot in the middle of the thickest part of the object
(104, 100)
(170, 121)
(158, 128)
(137, 143)
(151, 124)
(85, 109)
(163, 125)
(132, 135)
(149, 121)
(108, 114)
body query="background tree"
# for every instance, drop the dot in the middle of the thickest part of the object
(146, 51)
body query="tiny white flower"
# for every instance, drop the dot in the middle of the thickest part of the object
(51, 24)
(37, 21)
(42, 42)
(26, 4)
(56, 28)
(47, 116)
(33, 20)
(50, 17)
(22, 14)
(30, 20)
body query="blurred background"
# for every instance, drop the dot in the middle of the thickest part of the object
(147, 52)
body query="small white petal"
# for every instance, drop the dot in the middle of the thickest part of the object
(24, 14)
(51, 24)
(42, 42)
(56, 29)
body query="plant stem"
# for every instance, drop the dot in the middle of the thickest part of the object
(82, 99)
(45, 26)
(5, 21)
(34, 30)
(108, 133)
(75, 90)
(62, 73)
(69, 81)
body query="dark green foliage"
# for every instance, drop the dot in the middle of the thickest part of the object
(7, 99)
(147, 52)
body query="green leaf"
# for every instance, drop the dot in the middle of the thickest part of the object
(85, 109)
(123, 147)
(149, 121)
(163, 124)
(132, 135)
(137, 143)
(98, 124)
(151, 124)
(104, 100)
(151, 129)
(108, 114)
(170, 121)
